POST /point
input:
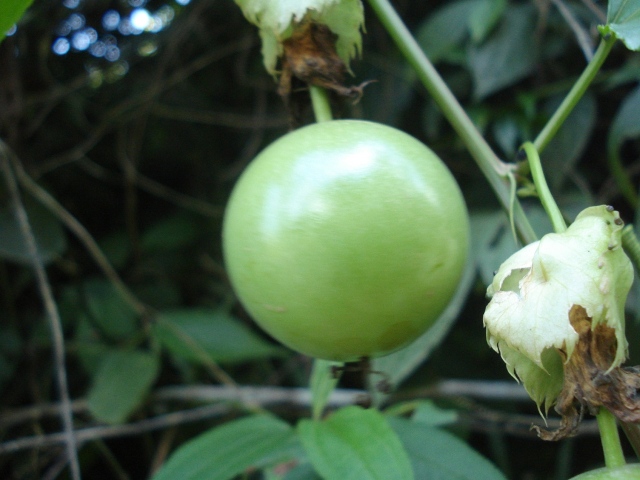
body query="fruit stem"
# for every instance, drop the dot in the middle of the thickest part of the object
(320, 103)
(547, 200)
(613, 455)
(575, 94)
(495, 171)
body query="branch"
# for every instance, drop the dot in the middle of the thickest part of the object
(80, 232)
(53, 317)
(230, 399)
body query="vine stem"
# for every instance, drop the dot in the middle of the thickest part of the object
(613, 455)
(320, 103)
(547, 200)
(575, 94)
(494, 170)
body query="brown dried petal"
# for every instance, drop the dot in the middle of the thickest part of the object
(589, 381)
(310, 56)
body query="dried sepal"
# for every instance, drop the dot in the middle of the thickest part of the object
(590, 383)
(277, 20)
(534, 291)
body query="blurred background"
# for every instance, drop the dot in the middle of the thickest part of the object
(127, 123)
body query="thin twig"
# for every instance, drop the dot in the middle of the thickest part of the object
(265, 396)
(130, 108)
(81, 233)
(591, 5)
(582, 36)
(219, 119)
(155, 188)
(228, 399)
(53, 317)
(489, 390)
(34, 413)
(84, 435)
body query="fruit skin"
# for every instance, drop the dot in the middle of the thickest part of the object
(625, 472)
(345, 239)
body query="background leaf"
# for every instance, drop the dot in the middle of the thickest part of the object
(445, 29)
(484, 17)
(121, 384)
(49, 234)
(228, 450)
(323, 380)
(507, 56)
(172, 233)
(429, 414)
(568, 145)
(108, 310)
(355, 444)
(625, 126)
(190, 334)
(438, 455)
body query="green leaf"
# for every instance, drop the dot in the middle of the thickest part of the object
(323, 380)
(508, 55)
(623, 19)
(228, 450)
(625, 126)
(569, 143)
(438, 455)
(121, 384)
(303, 471)
(492, 241)
(399, 365)
(10, 13)
(47, 230)
(109, 310)
(484, 17)
(118, 249)
(443, 31)
(199, 335)
(172, 233)
(89, 347)
(429, 414)
(345, 18)
(357, 444)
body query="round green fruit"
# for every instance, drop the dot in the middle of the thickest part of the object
(625, 472)
(346, 239)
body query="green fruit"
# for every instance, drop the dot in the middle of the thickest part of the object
(346, 239)
(626, 472)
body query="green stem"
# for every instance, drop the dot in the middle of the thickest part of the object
(621, 177)
(575, 94)
(320, 103)
(631, 245)
(492, 167)
(323, 380)
(547, 200)
(613, 455)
